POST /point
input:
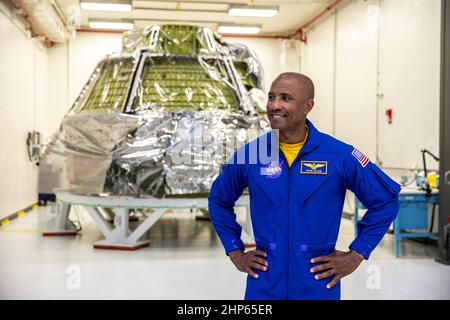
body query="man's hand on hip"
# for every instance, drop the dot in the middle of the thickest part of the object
(339, 264)
(245, 261)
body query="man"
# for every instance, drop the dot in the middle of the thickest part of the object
(296, 203)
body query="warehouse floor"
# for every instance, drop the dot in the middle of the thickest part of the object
(185, 261)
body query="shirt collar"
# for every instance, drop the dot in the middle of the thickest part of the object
(313, 141)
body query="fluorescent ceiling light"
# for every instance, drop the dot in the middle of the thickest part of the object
(239, 29)
(98, 5)
(141, 23)
(178, 5)
(250, 11)
(111, 25)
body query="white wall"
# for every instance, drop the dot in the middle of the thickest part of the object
(23, 108)
(396, 45)
(409, 80)
(318, 64)
(58, 97)
(356, 78)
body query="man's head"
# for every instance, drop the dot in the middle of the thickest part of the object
(290, 99)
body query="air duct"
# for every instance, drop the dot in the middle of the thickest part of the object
(44, 19)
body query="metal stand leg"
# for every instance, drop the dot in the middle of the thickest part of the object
(108, 213)
(397, 237)
(247, 236)
(60, 225)
(120, 237)
(204, 216)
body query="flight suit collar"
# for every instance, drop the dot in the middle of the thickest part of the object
(274, 189)
(314, 138)
(313, 141)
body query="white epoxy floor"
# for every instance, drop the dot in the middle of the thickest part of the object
(185, 261)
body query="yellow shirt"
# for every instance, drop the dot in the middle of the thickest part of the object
(291, 150)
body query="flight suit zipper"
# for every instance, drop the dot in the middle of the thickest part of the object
(299, 155)
(289, 231)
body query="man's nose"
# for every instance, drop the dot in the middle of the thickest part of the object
(273, 104)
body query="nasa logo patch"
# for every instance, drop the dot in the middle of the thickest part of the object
(273, 170)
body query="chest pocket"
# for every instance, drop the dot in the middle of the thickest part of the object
(266, 202)
(266, 190)
(312, 186)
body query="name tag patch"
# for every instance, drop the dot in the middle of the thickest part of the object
(314, 167)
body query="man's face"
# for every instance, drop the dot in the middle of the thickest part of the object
(287, 104)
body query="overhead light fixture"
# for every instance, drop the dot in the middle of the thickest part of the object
(252, 11)
(234, 29)
(111, 25)
(181, 5)
(142, 23)
(103, 5)
(44, 20)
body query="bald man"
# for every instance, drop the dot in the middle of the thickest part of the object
(296, 202)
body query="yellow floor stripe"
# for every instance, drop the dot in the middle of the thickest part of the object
(20, 214)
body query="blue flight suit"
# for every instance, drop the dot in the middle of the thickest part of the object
(296, 212)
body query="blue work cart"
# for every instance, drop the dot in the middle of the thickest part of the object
(412, 218)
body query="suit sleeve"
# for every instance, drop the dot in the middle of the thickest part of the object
(379, 194)
(225, 191)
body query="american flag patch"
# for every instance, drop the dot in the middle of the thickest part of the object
(361, 157)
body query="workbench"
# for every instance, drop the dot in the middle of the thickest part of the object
(119, 236)
(412, 218)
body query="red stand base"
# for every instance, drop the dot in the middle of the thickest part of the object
(128, 248)
(59, 234)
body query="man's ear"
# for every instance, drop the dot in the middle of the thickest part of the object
(309, 104)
